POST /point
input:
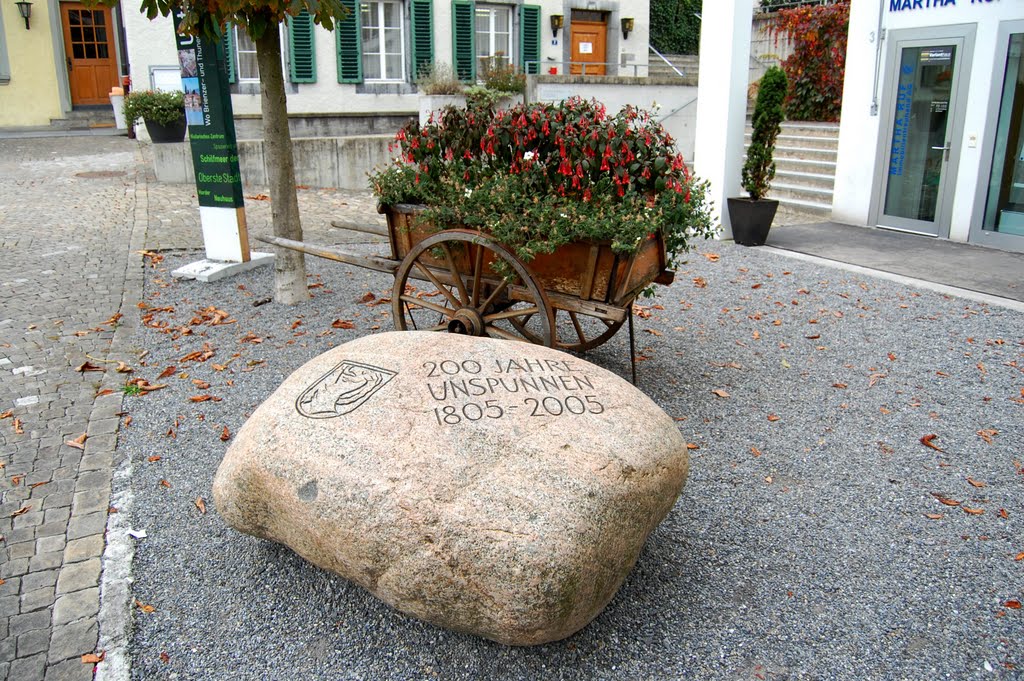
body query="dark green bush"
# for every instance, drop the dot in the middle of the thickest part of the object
(675, 25)
(759, 170)
(154, 105)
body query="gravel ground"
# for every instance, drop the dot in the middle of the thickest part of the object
(810, 541)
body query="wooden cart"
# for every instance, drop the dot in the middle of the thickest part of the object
(574, 299)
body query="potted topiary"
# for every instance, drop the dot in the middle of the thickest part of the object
(752, 216)
(163, 113)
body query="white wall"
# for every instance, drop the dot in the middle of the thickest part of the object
(859, 144)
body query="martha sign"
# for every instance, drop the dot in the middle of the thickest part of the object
(211, 130)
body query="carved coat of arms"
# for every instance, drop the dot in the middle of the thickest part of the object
(342, 390)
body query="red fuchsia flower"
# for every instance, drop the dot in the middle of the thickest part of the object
(586, 194)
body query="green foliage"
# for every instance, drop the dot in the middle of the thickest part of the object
(208, 17)
(538, 176)
(818, 64)
(439, 79)
(775, 5)
(131, 390)
(501, 77)
(154, 105)
(759, 170)
(675, 25)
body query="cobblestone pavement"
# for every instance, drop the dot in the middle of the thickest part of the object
(75, 216)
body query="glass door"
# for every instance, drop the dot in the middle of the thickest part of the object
(920, 161)
(1004, 207)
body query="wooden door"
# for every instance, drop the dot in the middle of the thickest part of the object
(90, 54)
(588, 46)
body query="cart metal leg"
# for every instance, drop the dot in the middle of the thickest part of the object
(632, 344)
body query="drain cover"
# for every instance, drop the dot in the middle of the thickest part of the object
(97, 174)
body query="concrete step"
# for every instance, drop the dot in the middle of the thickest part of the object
(801, 192)
(804, 179)
(803, 206)
(791, 152)
(805, 165)
(85, 119)
(689, 64)
(802, 141)
(811, 129)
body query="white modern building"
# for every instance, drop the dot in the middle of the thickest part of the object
(932, 132)
(933, 120)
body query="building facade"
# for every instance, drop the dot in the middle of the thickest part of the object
(64, 56)
(370, 63)
(932, 133)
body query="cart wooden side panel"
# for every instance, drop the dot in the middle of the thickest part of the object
(589, 271)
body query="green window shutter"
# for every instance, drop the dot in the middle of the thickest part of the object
(464, 39)
(422, 20)
(350, 51)
(227, 45)
(529, 38)
(302, 48)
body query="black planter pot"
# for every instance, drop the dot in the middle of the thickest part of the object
(166, 134)
(751, 219)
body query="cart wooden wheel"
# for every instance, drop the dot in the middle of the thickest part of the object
(576, 331)
(484, 289)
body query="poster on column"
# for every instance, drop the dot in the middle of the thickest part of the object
(211, 131)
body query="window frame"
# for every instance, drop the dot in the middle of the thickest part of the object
(381, 29)
(510, 56)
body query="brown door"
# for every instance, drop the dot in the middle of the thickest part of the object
(89, 48)
(588, 47)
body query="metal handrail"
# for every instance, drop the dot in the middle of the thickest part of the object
(670, 64)
(583, 67)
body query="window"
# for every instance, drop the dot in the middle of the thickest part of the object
(245, 57)
(493, 36)
(383, 40)
(5, 66)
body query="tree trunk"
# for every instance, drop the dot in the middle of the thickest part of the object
(289, 266)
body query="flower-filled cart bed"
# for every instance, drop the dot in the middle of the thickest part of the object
(540, 223)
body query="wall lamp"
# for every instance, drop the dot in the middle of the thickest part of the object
(627, 26)
(557, 22)
(25, 10)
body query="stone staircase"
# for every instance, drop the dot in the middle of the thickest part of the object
(85, 119)
(689, 64)
(805, 167)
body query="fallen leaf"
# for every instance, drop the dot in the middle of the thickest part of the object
(987, 434)
(841, 386)
(154, 458)
(884, 410)
(1012, 604)
(814, 337)
(258, 197)
(18, 430)
(21, 511)
(164, 483)
(7, 414)
(768, 479)
(368, 298)
(976, 483)
(165, 658)
(946, 500)
(892, 357)
(16, 480)
(201, 505)
(343, 324)
(1003, 514)
(712, 257)
(143, 607)
(720, 393)
(94, 658)
(691, 445)
(169, 371)
(755, 451)
(204, 398)
(78, 442)
(225, 434)
(653, 332)
(1019, 556)
(973, 511)
(201, 385)
(927, 442)
(105, 391)
(123, 368)
(933, 516)
(773, 417)
(87, 366)
(700, 282)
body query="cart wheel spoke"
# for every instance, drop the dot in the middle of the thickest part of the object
(437, 282)
(447, 312)
(578, 327)
(498, 332)
(478, 270)
(509, 314)
(456, 275)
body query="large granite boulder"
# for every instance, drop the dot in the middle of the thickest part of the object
(491, 487)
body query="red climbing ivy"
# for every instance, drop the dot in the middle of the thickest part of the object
(817, 65)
